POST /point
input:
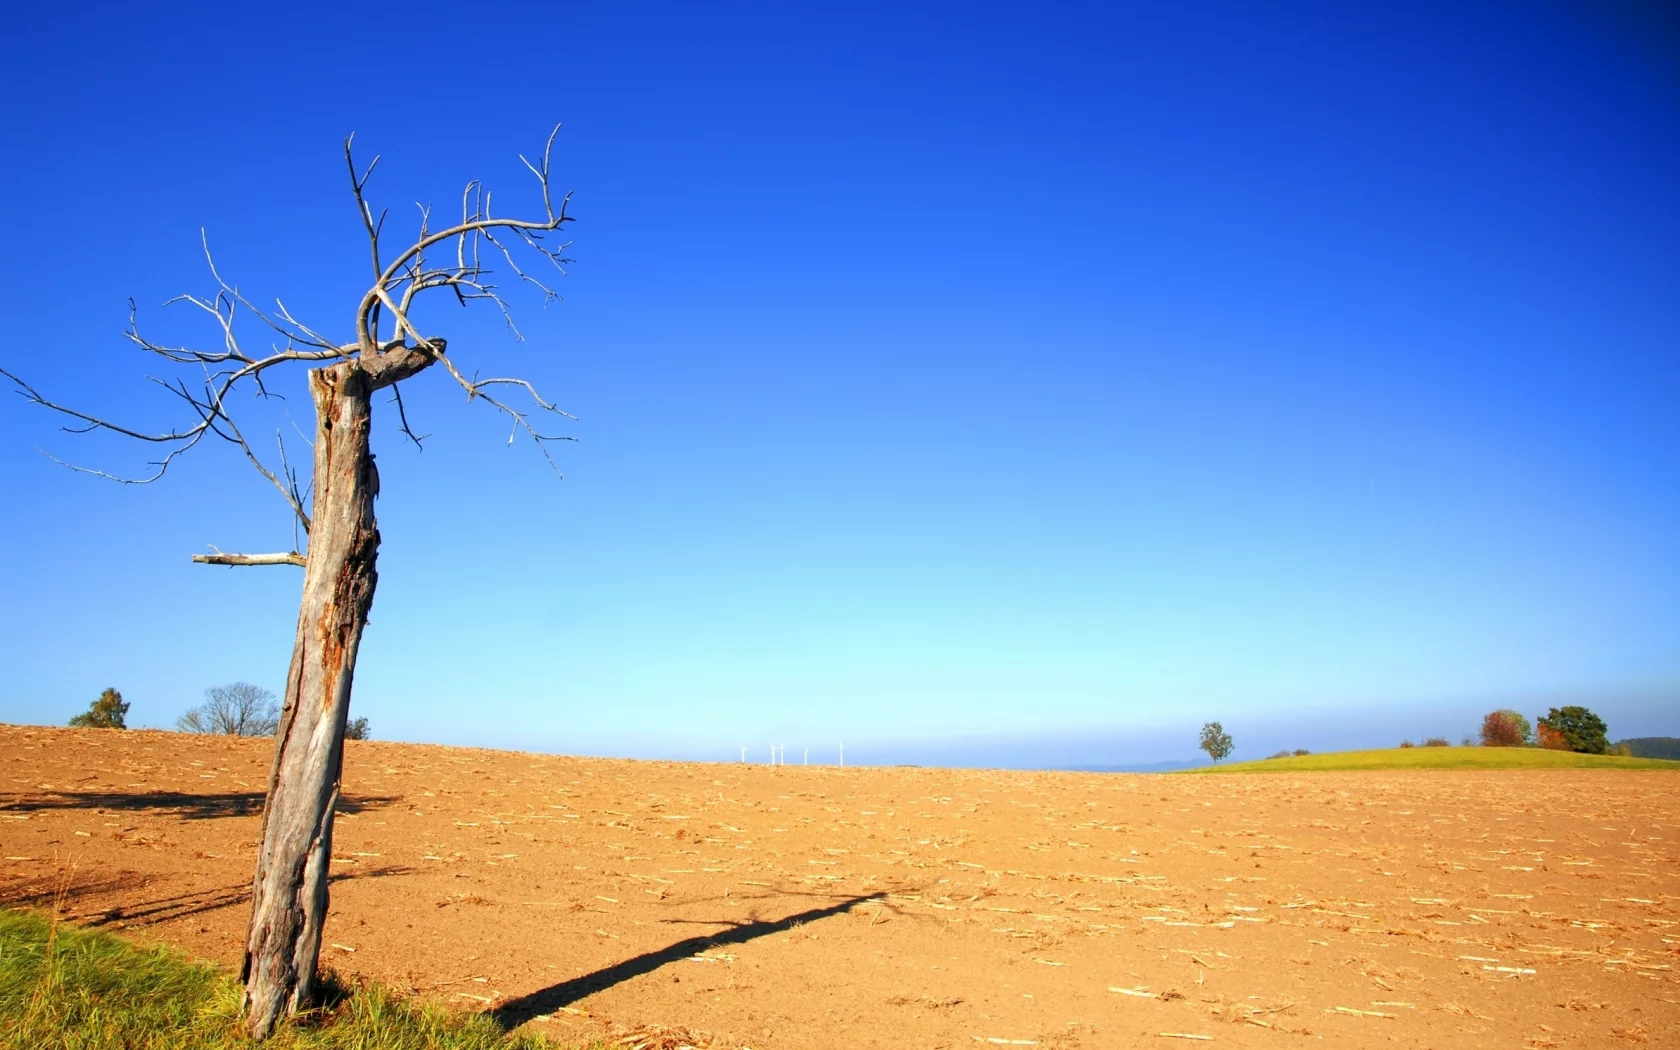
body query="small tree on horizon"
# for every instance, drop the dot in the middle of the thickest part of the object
(357, 729)
(237, 709)
(110, 711)
(1505, 728)
(1215, 741)
(1524, 727)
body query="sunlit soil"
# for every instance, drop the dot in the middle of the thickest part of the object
(807, 907)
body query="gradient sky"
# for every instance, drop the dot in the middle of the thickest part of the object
(964, 382)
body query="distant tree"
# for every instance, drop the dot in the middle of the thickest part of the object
(1437, 741)
(1281, 754)
(1578, 729)
(356, 729)
(1301, 751)
(239, 709)
(1407, 743)
(1215, 741)
(1524, 728)
(108, 712)
(1501, 729)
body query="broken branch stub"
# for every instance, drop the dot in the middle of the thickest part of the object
(288, 558)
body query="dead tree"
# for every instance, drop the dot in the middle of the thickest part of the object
(289, 890)
(235, 709)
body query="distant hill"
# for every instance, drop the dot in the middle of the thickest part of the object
(1135, 767)
(1438, 758)
(1652, 746)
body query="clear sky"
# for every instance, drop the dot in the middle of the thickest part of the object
(963, 382)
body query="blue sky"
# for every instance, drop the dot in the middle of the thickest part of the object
(964, 382)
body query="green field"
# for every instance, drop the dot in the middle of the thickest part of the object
(1441, 758)
(76, 989)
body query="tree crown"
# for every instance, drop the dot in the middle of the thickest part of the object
(1576, 729)
(385, 344)
(1215, 741)
(110, 711)
(236, 709)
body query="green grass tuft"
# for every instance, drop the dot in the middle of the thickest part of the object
(1441, 758)
(77, 989)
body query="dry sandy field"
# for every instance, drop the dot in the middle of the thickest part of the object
(814, 907)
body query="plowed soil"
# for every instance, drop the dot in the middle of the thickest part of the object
(814, 907)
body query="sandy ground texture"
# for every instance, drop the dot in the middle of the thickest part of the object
(814, 907)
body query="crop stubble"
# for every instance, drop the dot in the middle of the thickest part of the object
(806, 907)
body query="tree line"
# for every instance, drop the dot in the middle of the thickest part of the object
(235, 709)
(1568, 728)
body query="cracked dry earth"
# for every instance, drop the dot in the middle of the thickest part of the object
(804, 907)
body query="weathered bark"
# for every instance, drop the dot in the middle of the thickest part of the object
(289, 891)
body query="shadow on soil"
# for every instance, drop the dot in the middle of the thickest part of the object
(79, 897)
(187, 806)
(515, 1012)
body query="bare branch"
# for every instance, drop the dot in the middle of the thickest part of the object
(31, 395)
(402, 415)
(286, 468)
(162, 466)
(329, 349)
(364, 210)
(287, 492)
(542, 175)
(325, 350)
(477, 221)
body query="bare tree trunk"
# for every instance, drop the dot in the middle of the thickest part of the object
(289, 892)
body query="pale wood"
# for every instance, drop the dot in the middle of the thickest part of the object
(289, 558)
(289, 890)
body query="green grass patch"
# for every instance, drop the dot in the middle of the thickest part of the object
(76, 989)
(1440, 758)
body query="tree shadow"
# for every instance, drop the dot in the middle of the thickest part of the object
(187, 805)
(515, 1012)
(163, 909)
(45, 892)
